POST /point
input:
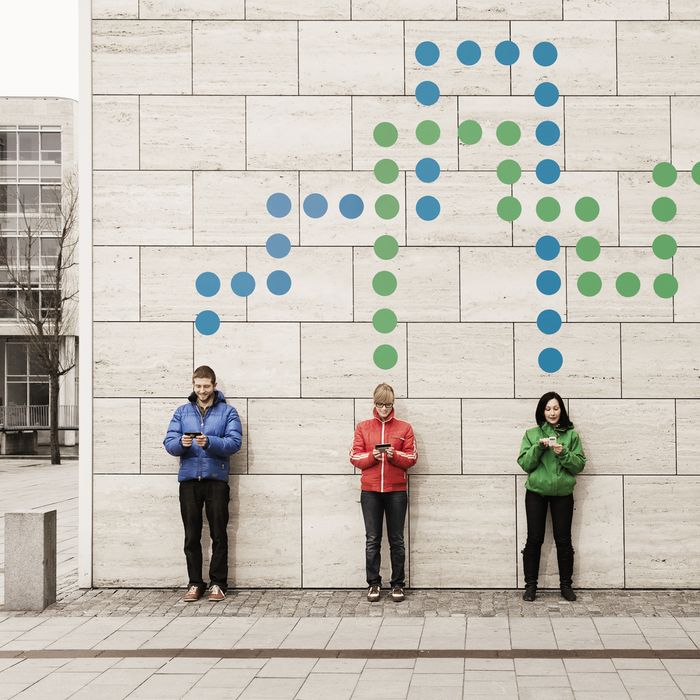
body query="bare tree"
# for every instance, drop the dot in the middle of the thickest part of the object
(45, 303)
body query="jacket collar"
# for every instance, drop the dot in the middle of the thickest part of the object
(389, 418)
(218, 398)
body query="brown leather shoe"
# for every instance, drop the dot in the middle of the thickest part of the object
(216, 594)
(193, 594)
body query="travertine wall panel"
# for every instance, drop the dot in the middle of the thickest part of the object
(310, 9)
(686, 303)
(403, 9)
(115, 132)
(509, 9)
(115, 288)
(192, 9)
(685, 137)
(115, 9)
(615, 9)
(116, 436)
(684, 9)
(688, 436)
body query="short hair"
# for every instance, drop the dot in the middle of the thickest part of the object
(383, 394)
(564, 421)
(204, 372)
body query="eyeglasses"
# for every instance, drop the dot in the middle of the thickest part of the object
(384, 405)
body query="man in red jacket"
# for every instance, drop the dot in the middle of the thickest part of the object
(384, 448)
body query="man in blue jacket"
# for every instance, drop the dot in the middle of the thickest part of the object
(204, 433)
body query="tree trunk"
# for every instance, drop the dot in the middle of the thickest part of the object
(53, 418)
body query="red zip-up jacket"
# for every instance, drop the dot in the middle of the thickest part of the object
(387, 474)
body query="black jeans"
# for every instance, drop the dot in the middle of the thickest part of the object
(374, 506)
(562, 509)
(213, 496)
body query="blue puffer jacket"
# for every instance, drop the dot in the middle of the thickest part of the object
(221, 425)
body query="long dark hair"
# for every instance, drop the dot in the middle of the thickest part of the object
(564, 421)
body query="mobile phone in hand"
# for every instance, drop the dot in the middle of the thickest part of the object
(383, 447)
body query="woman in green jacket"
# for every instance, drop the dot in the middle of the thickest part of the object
(552, 455)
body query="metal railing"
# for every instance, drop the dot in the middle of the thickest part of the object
(37, 417)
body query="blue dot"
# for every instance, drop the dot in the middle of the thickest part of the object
(547, 133)
(279, 282)
(545, 53)
(242, 284)
(469, 53)
(428, 208)
(278, 245)
(208, 284)
(427, 93)
(207, 322)
(548, 282)
(427, 170)
(279, 205)
(351, 206)
(548, 171)
(546, 94)
(550, 360)
(547, 247)
(427, 53)
(507, 53)
(549, 321)
(315, 205)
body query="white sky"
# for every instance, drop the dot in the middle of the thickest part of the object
(39, 48)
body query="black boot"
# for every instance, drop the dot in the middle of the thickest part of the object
(565, 560)
(567, 592)
(531, 569)
(530, 592)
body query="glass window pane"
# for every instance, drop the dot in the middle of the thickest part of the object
(29, 197)
(8, 170)
(49, 251)
(50, 141)
(17, 359)
(8, 145)
(37, 368)
(48, 303)
(8, 199)
(39, 394)
(50, 195)
(51, 157)
(8, 301)
(25, 251)
(29, 172)
(16, 394)
(29, 145)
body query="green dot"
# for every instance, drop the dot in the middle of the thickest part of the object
(588, 248)
(508, 133)
(664, 174)
(627, 284)
(664, 246)
(384, 320)
(509, 208)
(469, 132)
(589, 284)
(508, 172)
(384, 283)
(385, 134)
(665, 285)
(387, 206)
(587, 209)
(386, 247)
(548, 209)
(695, 173)
(428, 132)
(386, 171)
(385, 357)
(663, 209)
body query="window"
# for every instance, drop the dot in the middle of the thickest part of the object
(8, 145)
(28, 145)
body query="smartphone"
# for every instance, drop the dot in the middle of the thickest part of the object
(383, 447)
(552, 441)
(193, 435)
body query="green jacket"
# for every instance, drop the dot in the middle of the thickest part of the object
(551, 474)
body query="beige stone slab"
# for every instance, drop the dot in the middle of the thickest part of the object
(660, 360)
(341, 58)
(231, 208)
(685, 140)
(321, 285)
(515, 297)
(266, 357)
(488, 152)
(299, 133)
(567, 228)
(115, 431)
(405, 114)
(491, 433)
(609, 304)
(168, 283)
(615, 9)
(596, 534)
(300, 436)
(637, 223)
(146, 57)
(661, 531)
(115, 9)
(427, 284)
(139, 208)
(125, 364)
(115, 132)
(245, 58)
(645, 66)
(684, 9)
(115, 283)
(487, 77)
(155, 417)
(688, 438)
(591, 367)
(614, 133)
(192, 133)
(333, 228)
(449, 516)
(337, 359)
(509, 9)
(403, 9)
(458, 369)
(603, 423)
(586, 62)
(467, 216)
(311, 9)
(192, 9)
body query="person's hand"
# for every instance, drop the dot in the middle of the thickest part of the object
(390, 452)
(377, 455)
(201, 440)
(186, 441)
(557, 448)
(544, 442)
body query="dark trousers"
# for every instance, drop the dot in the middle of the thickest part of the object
(213, 496)
(562, 510)
(374, 506)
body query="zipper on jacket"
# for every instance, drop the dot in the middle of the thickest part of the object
(381, 487)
